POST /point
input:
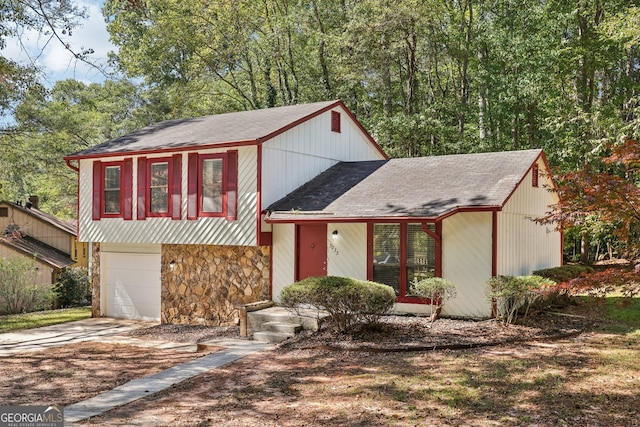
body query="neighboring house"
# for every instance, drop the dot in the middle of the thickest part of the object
(26, 231)
(190, 219)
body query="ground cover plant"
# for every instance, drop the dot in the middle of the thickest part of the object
(37, 319)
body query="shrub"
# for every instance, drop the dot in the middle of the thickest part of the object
(437, 290)
(515, 294)
(19, 292)
(348, 301)
(565, 272)
(73, 287)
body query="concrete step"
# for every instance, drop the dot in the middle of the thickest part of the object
(284, 328)
(271, 337)
(309, 319)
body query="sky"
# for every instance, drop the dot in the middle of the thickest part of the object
(56, 62)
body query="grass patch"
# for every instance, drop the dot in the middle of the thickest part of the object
(16, 322)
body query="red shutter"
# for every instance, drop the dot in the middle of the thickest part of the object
(142, 188)
(97, 190)
(176, 187)
(232, 185)
(128, 188)
(192, 187)
(335, 121)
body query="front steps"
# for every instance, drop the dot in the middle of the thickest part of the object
(276, 324)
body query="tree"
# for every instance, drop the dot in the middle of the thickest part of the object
(606, 191)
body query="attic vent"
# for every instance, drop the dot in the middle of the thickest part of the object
(335, 121)
(4, 212)
(534, 175)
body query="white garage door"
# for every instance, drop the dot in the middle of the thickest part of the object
(132, 285)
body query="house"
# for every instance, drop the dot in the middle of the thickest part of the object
(190, 219)
(26, 231)
(465, 217)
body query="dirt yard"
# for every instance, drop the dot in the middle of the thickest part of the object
(546, 374)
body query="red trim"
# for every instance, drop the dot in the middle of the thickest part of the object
(175, 205)
(494, 244)
(403, 260)
(231, 190)
(170, 187)
(142, 188)
(103, 167)
(127, 197)
(192, 186)
(437, 236)
(370, 251)
(97, 190)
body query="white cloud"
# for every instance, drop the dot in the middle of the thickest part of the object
(57, 62)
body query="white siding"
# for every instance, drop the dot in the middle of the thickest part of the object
(303, 152)
(347, 252)
(523, 245)
(217, 231)
(466, 262)
(283, 257)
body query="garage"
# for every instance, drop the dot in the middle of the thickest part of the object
(131, 282)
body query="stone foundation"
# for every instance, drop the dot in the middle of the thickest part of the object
(95, 280)
(207, 285)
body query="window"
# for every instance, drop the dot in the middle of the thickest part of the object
(402, 253)
(213, 183)
(112, 190)
(335, 121)
(535, 174)
(160, 187)
(4, 212)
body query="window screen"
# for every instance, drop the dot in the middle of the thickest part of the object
(386, 255)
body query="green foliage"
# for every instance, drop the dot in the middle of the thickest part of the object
(515, 294)
(437, 290)
(19, 291)
(348, 301)
(564, 273)
(73, 287)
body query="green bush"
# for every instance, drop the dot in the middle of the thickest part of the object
(348, 301)
(564, 273)
(514, 295)
(19, 291)
(73, 287)
(437, 290)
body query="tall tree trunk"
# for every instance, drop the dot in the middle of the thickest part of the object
(584, 247)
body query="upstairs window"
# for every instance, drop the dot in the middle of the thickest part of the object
(160, 187)
(213, 184)
(112, 189)
(535, 175)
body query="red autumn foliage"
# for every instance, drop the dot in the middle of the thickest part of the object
(605, 282)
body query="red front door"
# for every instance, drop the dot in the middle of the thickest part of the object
(311, 257)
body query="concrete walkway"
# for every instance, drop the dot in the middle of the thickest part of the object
(143, 387)
(94, 329)
(111, 330)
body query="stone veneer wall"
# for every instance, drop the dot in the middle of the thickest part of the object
(207, 283)
(95, 280)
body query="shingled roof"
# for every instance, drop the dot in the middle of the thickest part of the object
(67, 227)
(35, 248)
(424, 187)
(230, 128)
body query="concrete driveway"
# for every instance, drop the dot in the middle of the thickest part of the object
(66, 333)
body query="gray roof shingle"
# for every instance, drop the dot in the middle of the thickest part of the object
(424, 187)
(35, 248)
(238, 127)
